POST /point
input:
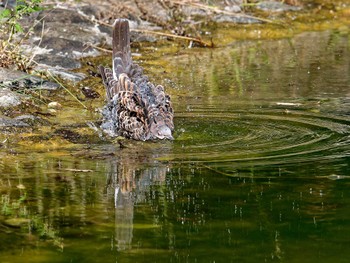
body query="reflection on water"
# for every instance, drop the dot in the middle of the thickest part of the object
(282, 101)
(129, 184)
(259, 170)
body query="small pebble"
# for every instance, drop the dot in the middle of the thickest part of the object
(54, 105)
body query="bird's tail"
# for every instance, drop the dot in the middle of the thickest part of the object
(121, 47)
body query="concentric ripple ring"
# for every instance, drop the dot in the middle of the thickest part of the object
(265, 136)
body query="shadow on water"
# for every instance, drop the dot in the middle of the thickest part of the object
(259, 170)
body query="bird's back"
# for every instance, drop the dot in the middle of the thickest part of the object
(136, 108)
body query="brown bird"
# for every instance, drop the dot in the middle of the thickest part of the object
(136, 108)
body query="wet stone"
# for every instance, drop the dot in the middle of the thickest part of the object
(32, 120)
(53, 61)
(16, 80)
(67, 75)
(9, 99)
(237, 19)
(67, 36)
(62, 16)
(67, 48)
(84, 33)
(95, 11)
(8, 122)
(276, 6)
(233, 8)
(105, 29)
(67, 30)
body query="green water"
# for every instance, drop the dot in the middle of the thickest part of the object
(258, 172)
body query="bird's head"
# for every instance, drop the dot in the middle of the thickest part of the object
(160, 131)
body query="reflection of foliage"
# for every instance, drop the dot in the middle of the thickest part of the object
(45, 231)
(9, 207)
(19, 216)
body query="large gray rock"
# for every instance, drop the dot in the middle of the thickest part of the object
(16, 80)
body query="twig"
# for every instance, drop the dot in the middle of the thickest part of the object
(99, 48)
(199, 41)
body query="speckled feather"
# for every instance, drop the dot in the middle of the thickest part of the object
(135, 108)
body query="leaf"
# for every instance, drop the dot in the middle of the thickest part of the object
(20, 8)
(36, 2)
(29, 10)
(38, 8)
(6, 13)
(18, 28)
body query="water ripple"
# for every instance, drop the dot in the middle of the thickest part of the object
(262, 136)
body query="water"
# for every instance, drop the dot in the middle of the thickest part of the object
(259, 170)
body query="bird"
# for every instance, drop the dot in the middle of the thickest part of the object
(136, 108)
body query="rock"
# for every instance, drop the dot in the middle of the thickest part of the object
(94, 11)
(22, 121)
(233, 8)
(32, 120)
(16, 80)
(276, 6)
(8, 122)
(69, 24)
(54, 105)
(8, 74)
(235, 19)
(67, 75)
(62, 16)
(137, 37)
(8, 3)
(195, 11)
(53, 61)
(68, 36)
(68, 48)
(90, 93)
(9, 98)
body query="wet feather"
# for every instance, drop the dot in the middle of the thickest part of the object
(136, 108)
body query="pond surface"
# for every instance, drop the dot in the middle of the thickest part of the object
(258, 172)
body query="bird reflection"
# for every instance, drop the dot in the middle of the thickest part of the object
(129, 183)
